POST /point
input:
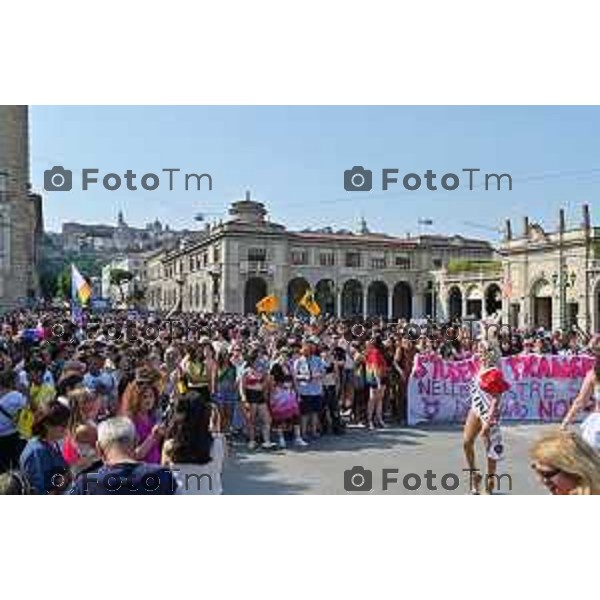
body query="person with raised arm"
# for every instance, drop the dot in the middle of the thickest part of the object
(589, 393)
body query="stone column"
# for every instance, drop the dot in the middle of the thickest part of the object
(505, 310)
(390, 306)
(484, 312)
(417, 305)
(365, 297)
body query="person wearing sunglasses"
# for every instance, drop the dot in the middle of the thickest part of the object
(566, 464)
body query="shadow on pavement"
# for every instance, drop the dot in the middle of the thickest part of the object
(250, 476)
(356, 440)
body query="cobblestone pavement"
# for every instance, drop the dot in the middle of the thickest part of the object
(319, 469)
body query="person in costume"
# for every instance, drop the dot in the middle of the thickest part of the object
(483, 418)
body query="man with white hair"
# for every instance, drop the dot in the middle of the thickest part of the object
(121, 473)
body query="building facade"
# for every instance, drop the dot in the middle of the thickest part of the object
(541, 279)
(532, 279)
(553, 279)
(247, 257)
(20, 212)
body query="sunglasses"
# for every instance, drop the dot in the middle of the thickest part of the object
(545, 474)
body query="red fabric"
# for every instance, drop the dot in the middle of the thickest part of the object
(492, 381)
(375, 359)
(70, 451)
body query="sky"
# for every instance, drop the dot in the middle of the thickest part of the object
(293, 158)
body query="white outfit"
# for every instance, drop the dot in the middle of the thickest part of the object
(202, 479)
(590, 428)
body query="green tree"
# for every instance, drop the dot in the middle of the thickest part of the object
(63, 283)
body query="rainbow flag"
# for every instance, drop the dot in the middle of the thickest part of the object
(80, 288)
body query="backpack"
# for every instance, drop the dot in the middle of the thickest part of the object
(22, 420)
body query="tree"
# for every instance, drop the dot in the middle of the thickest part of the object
(63, 283)
(119, 277)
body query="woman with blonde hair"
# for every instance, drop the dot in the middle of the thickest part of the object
(566, 464)
(483, 418)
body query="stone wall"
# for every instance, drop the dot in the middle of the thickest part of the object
(17, 272)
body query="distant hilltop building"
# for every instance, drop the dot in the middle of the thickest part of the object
(20, 212)
(81, 237)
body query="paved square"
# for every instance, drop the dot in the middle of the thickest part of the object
(320, 468)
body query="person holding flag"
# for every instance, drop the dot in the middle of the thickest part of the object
(309, 303)
(80, 288)
(266, 309)
(81, 292)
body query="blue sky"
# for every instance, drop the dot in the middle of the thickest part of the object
(293, 159)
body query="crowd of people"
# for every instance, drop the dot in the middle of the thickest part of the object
(158, 403)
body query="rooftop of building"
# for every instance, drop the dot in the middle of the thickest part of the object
(535, 235)
(248, 215)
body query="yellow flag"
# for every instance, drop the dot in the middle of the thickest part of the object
(309, 303)
(268, 304)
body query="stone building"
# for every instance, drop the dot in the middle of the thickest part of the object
(532, 279)
(247, 257)
(541, 279)
(83, 237)
(20, 212)
(553, 279)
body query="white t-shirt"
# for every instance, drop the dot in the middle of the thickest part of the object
(12, 403)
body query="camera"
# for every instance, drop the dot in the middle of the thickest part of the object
(358, 179)
(58, 179)
(358, 479)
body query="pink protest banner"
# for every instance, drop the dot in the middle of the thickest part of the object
(542, 387)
